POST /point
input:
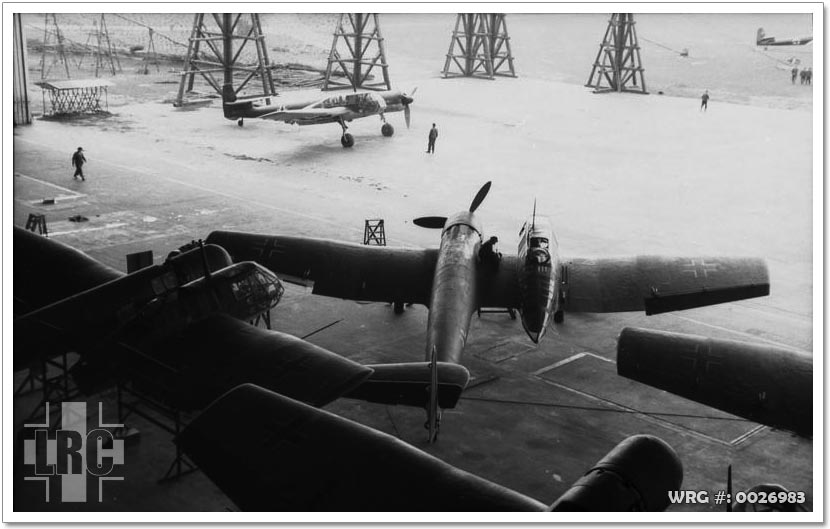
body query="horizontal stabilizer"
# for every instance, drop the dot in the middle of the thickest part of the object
(660, 284)
(270, 453)
(762, 383)
(220, 353)
(408, 384)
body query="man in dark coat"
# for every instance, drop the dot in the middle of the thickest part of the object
(78, 161)
(433, 135)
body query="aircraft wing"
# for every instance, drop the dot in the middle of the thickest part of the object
(220, 352)
(270, 453)
(661, 284)
(338, 269)
(307, 114)
(762, 383)
(46, 271)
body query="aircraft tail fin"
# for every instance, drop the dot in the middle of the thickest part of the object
(759, 36)
(409, 384)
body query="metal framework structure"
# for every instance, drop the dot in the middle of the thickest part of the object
(211, 50)
(357, 49)
(86, 96)
(480, 47)
(101, 48)
(374, 232)
(20, 75)
(60, 47)
(150, 57)
(618, 67)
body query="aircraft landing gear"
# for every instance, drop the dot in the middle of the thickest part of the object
(559, 316)
(346, 140)
(240, 121)
(398, 307)
(387, 129)
(433, 425)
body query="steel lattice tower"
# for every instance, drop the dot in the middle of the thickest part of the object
(211, 50)
(60, 48)
(483, 47)
(618, 67)
(357, 49)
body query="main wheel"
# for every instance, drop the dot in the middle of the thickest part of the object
(559, 316)
(240, 122)
(346, 140)
(398, 306)
(387, 129)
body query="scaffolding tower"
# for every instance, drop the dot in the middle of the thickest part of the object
(618, 67)
(49, 36)
(101, 48)
(211, 50)
(480, 47)
(357, 49)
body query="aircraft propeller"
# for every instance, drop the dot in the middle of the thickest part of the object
(438, 222)
(406, 100)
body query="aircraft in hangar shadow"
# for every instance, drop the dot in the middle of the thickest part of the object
(339, 108)
(762, 383)
(307, 459)
(179, 332)
(454, 281)
(762, 40)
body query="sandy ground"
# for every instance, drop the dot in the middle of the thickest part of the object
(617, 174)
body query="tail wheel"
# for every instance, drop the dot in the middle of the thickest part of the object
(559, 316)
(240, 122)
(347, 140)
(398, 307)
(387, 129)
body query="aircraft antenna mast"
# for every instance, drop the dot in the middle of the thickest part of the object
(357, 49)
(618, 67)
(480, 47)
(211, 50)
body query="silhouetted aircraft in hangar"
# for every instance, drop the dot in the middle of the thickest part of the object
(763, 383)
(270, 453)
(339, 108)
(454, 281)
(179, 331)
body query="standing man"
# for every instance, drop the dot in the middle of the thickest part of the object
(433, 135)
(78, 161)
(704, 101)
(795, 73)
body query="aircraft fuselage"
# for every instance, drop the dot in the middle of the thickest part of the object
(538, 273)
(454, 288)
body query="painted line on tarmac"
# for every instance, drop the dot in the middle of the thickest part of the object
(71, 193)
(84, 230)
(740, 333)
(570, 359)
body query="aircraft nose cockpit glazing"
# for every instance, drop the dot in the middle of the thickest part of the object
(255, 289)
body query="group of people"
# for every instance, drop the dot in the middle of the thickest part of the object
(806, 75)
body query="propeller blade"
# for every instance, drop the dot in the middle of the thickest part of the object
(411, 94)
(482, 193)
(406, 115)
(434, 223)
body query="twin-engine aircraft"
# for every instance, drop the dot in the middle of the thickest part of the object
(454, 281)
(338, 108)
(762, 40)
(307, 459)
(179, 332)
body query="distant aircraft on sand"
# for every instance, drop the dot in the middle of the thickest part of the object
(762, 40)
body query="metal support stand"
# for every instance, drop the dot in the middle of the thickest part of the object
(361, 51)
(483, 47)
(37, 222)
(374, 233)
(219, 56)
(56, 386)
(618, 67)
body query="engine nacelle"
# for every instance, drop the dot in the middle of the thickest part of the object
(538, 273)
(635, 476)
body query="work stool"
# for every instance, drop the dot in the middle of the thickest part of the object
(374, 232)
(37, 222)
